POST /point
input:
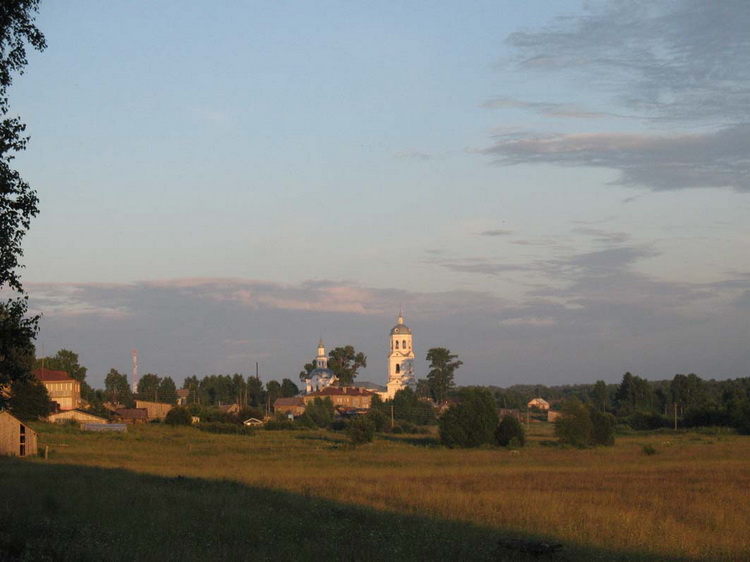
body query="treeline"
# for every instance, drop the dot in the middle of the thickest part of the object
(644, 404)
(215, 390)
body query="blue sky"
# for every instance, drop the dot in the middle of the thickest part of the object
(557, 194)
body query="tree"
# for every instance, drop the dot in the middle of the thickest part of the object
(443, 365)
(470, 423)
(602, 427)
(148, 387)
(18, 202)
(255, 394)
(288, 388)
(600, 395)
(178, 415)
(29, 399)
(273, 391)
(634, 393)
(307, 368)
(361, 430)
(116, 388)
(167, 391)
(64, 360)
(16, 342)
(321, 411)
(574, 426)
(408, 407)
(510, 432)
(345, 362)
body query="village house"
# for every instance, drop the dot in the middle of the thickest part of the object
(155, 410)
(77, 415)
(16, 438)
(132, 415)
(294, 405)
(538, 403)
(348, 396)
(62, 389)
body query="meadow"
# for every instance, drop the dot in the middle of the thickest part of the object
(159, 492)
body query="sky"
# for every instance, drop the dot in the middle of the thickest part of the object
(556, 192)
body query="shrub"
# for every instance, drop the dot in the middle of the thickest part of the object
(574, 426)
(304, 421)
(226, 428)
(603, 430)
(471, 422)
(321, 411)
(179, 415)
(279, 425)
(649, 450)
(361, 430)
(508, 430)
(379, 419)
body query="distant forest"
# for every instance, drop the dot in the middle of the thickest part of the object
(643, 404)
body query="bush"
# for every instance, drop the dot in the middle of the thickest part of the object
(226, 428)
(179, 415)
(379, 419)
(603, 431)
(321, 411)
(508, 430)
(574, 427)
(279, 425)
(649, 450)
(361, 430)
(471, 422)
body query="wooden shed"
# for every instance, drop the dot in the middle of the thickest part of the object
(77, 415)
(16, 438)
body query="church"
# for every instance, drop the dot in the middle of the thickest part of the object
(400, 364)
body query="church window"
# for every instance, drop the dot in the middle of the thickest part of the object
(398, 369)
(404, 344)
(396, 344)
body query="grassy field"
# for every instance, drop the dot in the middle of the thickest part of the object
(167, 493)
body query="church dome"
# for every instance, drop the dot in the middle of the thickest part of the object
(399, 329)
(321, 373)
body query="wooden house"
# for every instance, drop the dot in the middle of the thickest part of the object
(16, 438)
(77, 415)
(132, 415)
(155, 410)
(294, 405)
(538, 403)
(62, 389)
(253, 422)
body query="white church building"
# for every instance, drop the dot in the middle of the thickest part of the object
(400, 364)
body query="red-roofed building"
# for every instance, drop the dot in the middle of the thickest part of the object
(348, 396)
(62, 389)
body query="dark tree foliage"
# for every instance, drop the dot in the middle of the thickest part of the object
(288, 388)
(379, 419)
(307, 368)
(603, 427)
(167, 391)
(361, 430)
(574, 426)
(29, 399)
(345, 362)
(634, 394)
(117, 388)
(273, 391)
(18, 202)
(443, 365)
(17, 333)
(64, 360)
(510, 432)
(320, 411)
(470, 423)
(179, 415)
(409, 408)
(148, 387)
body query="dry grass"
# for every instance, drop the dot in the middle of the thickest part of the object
(689, 500)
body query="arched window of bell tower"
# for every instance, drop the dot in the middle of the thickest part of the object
(398, 367)
(404, 344)
(396, 344)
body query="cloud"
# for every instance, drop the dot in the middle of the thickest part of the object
(559, 110)
(678, 60)
(675, 64)
(661, 162)
(497, 232)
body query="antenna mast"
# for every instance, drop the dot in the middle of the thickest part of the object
(135, 371)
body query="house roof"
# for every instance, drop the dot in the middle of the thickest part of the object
(342, 391)
(286, 402)
(132, 413)
(48, 375)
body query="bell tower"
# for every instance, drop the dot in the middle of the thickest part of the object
(400, 359)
